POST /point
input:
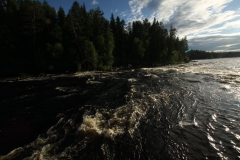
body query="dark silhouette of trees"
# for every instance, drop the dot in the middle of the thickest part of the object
(36, 38)
(198, 54)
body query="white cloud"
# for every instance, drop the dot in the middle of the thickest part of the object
(124, 14)
(94, 2)
(190, 17)
(238, 11)
(225, 26)
(115, 11)
(216, 42)
(136, 7)
(187, 16)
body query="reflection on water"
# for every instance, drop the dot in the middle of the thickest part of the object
(188, 111)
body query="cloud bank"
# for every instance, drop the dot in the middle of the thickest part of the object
(218, 42)
(191, 18)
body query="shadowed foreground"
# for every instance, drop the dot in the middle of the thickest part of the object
(31, 105)
(175, 112)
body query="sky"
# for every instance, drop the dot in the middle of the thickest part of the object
(210, 25)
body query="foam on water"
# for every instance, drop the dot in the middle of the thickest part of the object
(230, 73)
(116, 122)
(132, 80)
(98, 124)
(182, 124)
(159, 100)
(92, 82)
(103, 123)
(186, 123)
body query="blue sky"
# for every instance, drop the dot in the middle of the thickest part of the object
(211, 25)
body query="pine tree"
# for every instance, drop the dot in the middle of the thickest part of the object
(11, 23)
(154, 46)
(89, 60)
(172, 37)
(109, 46)
(119, 38)
(35, 38)
(102, 38)
(113, 24)
(61, 16)
(76, 30)
(146, 39)
(3, 35)
(139, 50)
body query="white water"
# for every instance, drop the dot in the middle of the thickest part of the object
(185, 111)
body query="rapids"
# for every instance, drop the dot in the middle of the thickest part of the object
(186, 111)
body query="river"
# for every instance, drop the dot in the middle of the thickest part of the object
(186, 111)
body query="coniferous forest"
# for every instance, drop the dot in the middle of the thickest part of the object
(35, 38)
(198, 54)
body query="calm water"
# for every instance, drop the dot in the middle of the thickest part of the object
(188, 111)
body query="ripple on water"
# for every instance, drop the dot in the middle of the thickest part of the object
(173, 113)
(214, 117)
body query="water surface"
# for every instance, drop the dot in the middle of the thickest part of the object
(187, 111)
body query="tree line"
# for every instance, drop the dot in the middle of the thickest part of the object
(36, 38)
(198, 54)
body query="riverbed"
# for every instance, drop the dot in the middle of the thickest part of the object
(186, 111)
